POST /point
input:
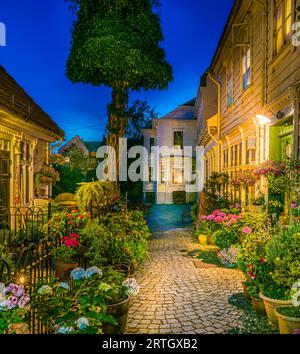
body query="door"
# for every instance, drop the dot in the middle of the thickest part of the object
(4, 179)
(287, 146)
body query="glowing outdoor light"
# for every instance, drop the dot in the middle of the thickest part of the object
(263, 119)
(22, 280)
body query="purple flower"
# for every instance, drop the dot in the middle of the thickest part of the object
(294, 205)
(23, 301)
(210, 217)
(297, 331)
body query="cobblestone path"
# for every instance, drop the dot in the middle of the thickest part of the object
(177, 297)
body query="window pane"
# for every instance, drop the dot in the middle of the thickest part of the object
(178, 139)
(22, 147)
(288, 8)
(177, 176)
(27, 185)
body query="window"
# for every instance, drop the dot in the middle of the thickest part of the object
(225, 158)
(283, 23)
(25, 166)
(162, 173)
(246, 69)
(178, 140)
(177, 171)
(229, 87)
(152, 144)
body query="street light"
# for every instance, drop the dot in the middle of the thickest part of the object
(263, 119)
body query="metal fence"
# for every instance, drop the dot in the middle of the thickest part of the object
(28, 252)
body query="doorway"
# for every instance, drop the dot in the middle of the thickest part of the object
(4, 179)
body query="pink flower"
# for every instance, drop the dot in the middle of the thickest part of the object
(210, 217)
(297, 331)
(247, 230)
(204, 217)
(218, 219)
(231, 222)
(222, 215)
(263, 260)
(216, 212)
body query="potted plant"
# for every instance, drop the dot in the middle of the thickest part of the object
(112, 289)
(282, 259)
(257, 302)
(288, 319)
(14, 309)
(65, 256)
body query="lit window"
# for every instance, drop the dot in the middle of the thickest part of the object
(246, 69)
(288, 20)
(283, 24)
(25, 174)
(177, 171)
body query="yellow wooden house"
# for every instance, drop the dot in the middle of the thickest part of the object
(253, 90)
(26, 134)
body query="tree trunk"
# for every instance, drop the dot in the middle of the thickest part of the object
(117, 122)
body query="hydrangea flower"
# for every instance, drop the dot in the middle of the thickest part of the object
(64, 286)
(65, 330)
(228, 256)
(23, 301)
(210, 217)
(83, 323)
(78, 274)
(92, 271)
(45, 289)
(132, 286)
(104, 287)
(218, 219)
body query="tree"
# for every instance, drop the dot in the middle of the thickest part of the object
(140, 114)
(77, 159)
(116, 43)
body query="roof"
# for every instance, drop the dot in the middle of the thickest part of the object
(190, 103)
(234, 10)
(14, 99)
(87, 146)
(183, 112)
(92, 146)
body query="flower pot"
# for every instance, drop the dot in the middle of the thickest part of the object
(18, 328)
(120, 313)
(246, 293)
(271, 305)
(63, 270)
(258, 306)
(123, 268)
(287, 325)
(203, 239)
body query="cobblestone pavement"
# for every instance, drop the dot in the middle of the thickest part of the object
(177, 297)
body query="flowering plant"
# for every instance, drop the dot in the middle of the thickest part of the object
(271, 167)
(228, 256)
(244, 179)
(68, 249)
(132, 286)
(65, 221)
(13, 309)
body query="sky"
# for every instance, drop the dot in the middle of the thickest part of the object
(38, 44)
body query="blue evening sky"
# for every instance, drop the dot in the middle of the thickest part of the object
(38, 42)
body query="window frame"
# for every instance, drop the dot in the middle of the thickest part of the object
(176, 146)
(246, 68)
(281, 28)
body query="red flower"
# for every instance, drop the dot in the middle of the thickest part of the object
(80, 217)
(263, 260)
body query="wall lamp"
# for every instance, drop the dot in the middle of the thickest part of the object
(263, 119)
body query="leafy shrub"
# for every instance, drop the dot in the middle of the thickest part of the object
(283, 255)
(224, 238)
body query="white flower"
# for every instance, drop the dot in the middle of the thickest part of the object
(132, 286)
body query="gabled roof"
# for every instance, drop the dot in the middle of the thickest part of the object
(14, 99)
(92, 146)
(183, 112)
(86, 146)
(190, 103)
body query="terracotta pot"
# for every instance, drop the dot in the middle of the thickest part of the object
(18, 328)
(271, 305)
(258, 306)
(203, 239)
(287, 325)
(246, 293)
(120, 313)
(63, 270)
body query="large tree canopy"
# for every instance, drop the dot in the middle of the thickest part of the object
(117, 43)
